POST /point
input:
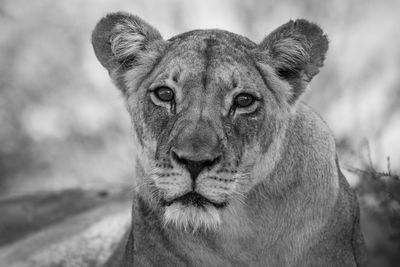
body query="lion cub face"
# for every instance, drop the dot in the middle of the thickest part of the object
(208, 108)
(203, 108)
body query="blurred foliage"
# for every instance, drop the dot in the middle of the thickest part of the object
(379, 196)
(63, 124)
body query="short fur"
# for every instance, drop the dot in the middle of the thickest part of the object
(272, 193)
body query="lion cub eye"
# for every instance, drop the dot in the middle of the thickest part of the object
(164, 94)
(243, 100)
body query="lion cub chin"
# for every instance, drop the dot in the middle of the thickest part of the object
(191, 218)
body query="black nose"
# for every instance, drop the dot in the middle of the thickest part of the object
(195, 166)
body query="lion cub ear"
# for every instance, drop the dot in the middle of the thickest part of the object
(123, 41)
(296, 51)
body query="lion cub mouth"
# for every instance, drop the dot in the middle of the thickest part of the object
(196, 200)
(193, 211)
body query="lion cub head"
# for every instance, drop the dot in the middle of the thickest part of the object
(209, 109)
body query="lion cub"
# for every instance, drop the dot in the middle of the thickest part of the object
(232, 169)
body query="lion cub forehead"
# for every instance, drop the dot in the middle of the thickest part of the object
(208, 47)
(208, 57)
(193, 72)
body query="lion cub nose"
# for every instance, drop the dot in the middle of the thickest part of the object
(197, 147)
(195, 164)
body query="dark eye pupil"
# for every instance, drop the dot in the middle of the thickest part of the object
(164, 94)
(244, 100)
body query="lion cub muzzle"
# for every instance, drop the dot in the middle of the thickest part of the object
(196, 150)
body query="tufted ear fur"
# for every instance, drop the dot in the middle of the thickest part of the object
(296, 51)
(123, 41)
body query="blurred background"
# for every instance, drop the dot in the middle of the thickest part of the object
(63, 125)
